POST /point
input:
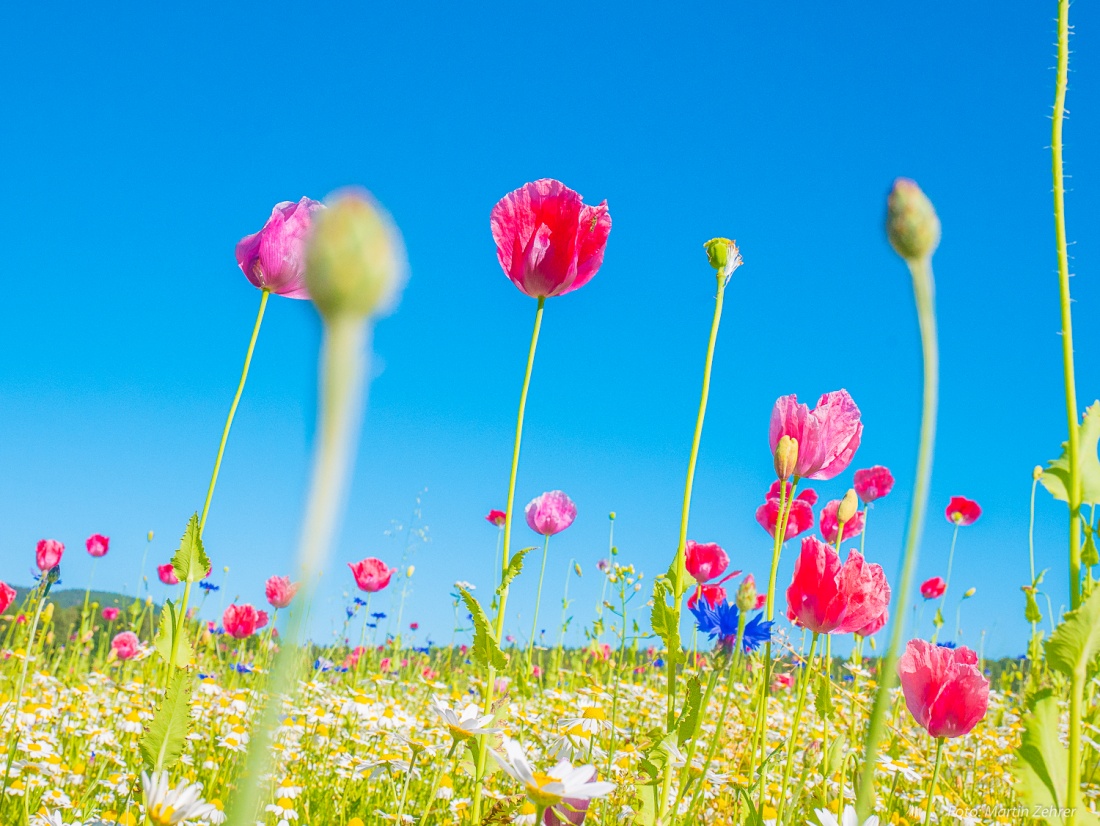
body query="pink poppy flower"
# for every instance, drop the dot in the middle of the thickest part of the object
(962, 511)
(280, 591)
(126, 645)
(933, 588)
(550, 513)
(497, 518)
(571, 811)
(548, 242)
(873, 483)
(828, 597)
(801, 517)
(97, 544)
(274, 258)
(705, 560)
(875, 625)
(713, 594)
(944, 690)
(371, 574)
(48, 553)
(241, 621)
(167, 574)
(828, 523)
(110, 614)
(827, 436)
(7, 596)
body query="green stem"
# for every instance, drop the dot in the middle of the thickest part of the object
(538, 599)
(924, 293)
(863, 535)
(932, 785)
(806, 676)
(343, 364)
(947, 582)
(233, 410)
(483, 752)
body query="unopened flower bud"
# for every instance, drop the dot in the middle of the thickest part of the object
(848, 507)
(409, 573)
(911, 222)
(611, 516)
(746, 594)
(969, 592)
(577, 568)
(150, 536)
(786, 457)
(355, 262)
(723, 255)
(1037, 472)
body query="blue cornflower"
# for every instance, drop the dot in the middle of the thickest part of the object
(378, 615)
(721, 621)
(321, 664)
(372, 625)
(242, 668)
(209, 586)
(947, 645)
(360, 602)
(349, 611)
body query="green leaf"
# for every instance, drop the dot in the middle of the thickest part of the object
(687, 724)
(191, 562)
(486, 651)
(1056, 477)
(1077, 640)
(163, 641)
(1042, 763)
(515, 565)
(665, 622)
(163, 741)
(938, 619)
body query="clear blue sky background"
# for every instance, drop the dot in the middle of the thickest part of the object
(139, 144)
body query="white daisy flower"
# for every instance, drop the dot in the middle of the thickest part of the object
(469, 723)
(553, 787)
(165, 806)
(848, 818)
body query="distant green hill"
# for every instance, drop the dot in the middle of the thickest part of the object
(68, 603)
(73, 597)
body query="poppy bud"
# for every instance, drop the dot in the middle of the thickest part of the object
(611, 516)
(150, 536)
(577, 568)
(786, 457)
(723, 255)
(969, 592)
(409, 572)
(848, 507)
(1037, 472)
(911, 222)
(746, 594)
(355, 261)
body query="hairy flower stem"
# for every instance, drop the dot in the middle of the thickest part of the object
(932, 785)
(483, 752)
(924, 293)
(538, 599)
(679, 566)
(343, 365)
(807, 675)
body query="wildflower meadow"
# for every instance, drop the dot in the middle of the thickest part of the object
(714, 690)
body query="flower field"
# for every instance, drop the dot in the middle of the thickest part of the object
(705, 692)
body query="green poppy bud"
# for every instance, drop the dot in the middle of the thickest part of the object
(911, 222)
(723, 255)
(786, 457)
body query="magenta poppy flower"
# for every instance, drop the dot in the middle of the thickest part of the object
(713, 593)
(801, 517)
(97, 544)
(497, 518)
(933, 588)
(962, 511)
(110, 614)
(273, 259)
(944, 689)
(47, 554)
(549, 242)
(875, 625)
(827, 436)
(873, 483)
(371, 574)
(7, 596)
(167, 574)
(705, 560)
(280, 591)
(828, 597)
(550, 513)
(828, 523)
(126, 645)
(241, 621)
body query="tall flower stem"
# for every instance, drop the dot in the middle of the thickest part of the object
(924, 293)
(483, 752)
(538, 599)
(807, 675)
(232, 412)
(947, 583)
(1073, 778)
(343, 364)
(935, 779)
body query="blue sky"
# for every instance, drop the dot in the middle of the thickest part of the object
(140, 144)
